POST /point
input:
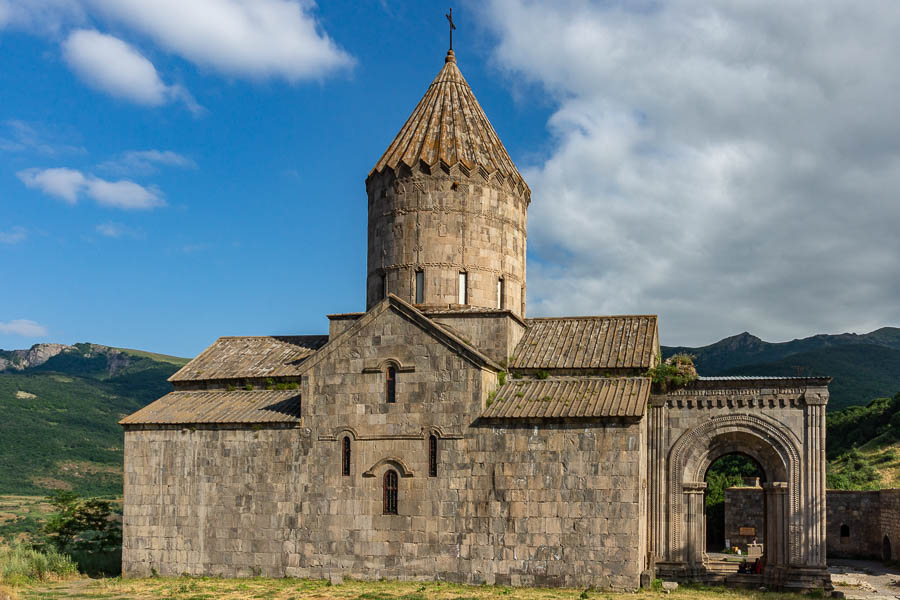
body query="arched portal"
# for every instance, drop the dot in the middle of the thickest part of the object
(774, 447)
(886, 549)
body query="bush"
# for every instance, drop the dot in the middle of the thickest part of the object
(86, 530)
(675, 372)
(22, 563)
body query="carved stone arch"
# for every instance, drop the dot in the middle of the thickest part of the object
(392, 461)
(777, 449)
(434, 430)
(340, 432)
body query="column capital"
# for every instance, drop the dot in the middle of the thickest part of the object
(657, 401)
(694, 487)
(777, 487)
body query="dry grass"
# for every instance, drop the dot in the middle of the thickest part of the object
(202, 588)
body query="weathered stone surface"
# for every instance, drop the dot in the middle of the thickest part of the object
(859, 522)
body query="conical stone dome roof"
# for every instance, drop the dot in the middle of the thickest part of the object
(449, 126)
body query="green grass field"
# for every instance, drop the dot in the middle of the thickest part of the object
(203, 588)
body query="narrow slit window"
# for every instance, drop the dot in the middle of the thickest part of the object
(432, 456)
(345, 457)
(463, 287)
(390, 385)
(420, 287)
(390, 492)
(500, 293)
(382, 283)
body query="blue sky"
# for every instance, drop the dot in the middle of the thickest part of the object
(169, 175)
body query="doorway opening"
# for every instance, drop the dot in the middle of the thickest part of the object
(886, 549)
(746, 508)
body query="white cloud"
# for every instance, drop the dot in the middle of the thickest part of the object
(123, 194)
(13, 236)
(145, 162)
(42, 16)
(115, 230)
(258, 39)
(112, 66)
(731, 166)
(60, 182)
(35, 137)
(23, 327)
(70, 184)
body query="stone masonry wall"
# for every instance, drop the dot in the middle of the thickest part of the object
(217, 501)
(444, 223)
(890, 522)
(744, 508)
(494, 334)
(860, 512)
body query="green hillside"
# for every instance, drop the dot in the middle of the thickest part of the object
(59, 427)
(863, 366)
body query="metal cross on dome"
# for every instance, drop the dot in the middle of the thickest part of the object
(452, 26)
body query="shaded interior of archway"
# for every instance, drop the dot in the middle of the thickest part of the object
(728, 470)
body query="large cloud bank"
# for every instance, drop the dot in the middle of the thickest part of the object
(730, 166)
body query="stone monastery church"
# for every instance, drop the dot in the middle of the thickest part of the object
(441, 434)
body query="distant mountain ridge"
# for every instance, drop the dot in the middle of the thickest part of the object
(39, 354)
(864, 366)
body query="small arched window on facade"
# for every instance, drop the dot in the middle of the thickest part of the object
(390, 385)
(390, 492)
(845, 531)
(345, 457)
(463, 287)
(432, 456)
(500, 293)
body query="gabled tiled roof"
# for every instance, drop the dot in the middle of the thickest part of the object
(251, 357)
(223, 407)
(450, 126)
(623, 342)
(570, 397)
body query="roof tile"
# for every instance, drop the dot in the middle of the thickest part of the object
(621, 342)
(251, 357)
(219, 406)
(571, 397)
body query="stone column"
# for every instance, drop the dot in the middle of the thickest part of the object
(777, 528)
(694, 523)
(656, 470)
(813, 521)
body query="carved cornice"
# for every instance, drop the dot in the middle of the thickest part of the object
(373, 435)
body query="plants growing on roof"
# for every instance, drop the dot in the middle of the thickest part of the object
(675, 372)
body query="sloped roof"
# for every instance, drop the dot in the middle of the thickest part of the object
(449, 125)
(571, 397)
(434, 329)
(251, 357)
(219, 406)
(620, 342)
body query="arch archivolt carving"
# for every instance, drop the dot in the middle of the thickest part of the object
(775, 447)
(393, 462)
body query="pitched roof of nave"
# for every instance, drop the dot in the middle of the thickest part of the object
(449, 126)
(570, 397)
(614, 342)
(251, 357)
(219, 406)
